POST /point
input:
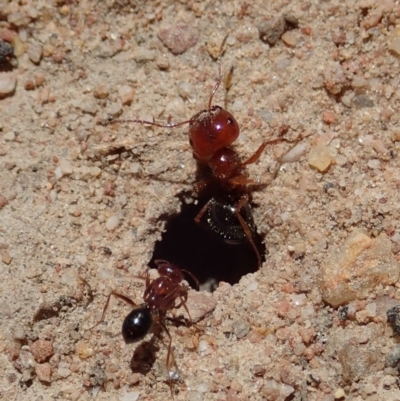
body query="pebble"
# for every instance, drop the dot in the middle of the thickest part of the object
(132, 396)
(356, 349)
(81, 259)
(355, 269)
(3, 201)
(290, 38)
(374, 164)
(113, 222)
(83, 350)
(276, 391)
(199, 304)
(125, 93)
(179, 38)
(43, 372)
(394, 40)
(393, 315)
(6, 257)
(100, 91)
(6, 51)
(294, 154)
(42, 350)
(240, 328)
(66, 167)
(320, 157)
(63, 372)
(339, 393)
(271, 30)
(329, 117)
(8, 82)
(86, 105)
(9, 136)
(393, 357)
(34, 52)
(195, 396)
(143, 55)
(362, 101)
(162, 62)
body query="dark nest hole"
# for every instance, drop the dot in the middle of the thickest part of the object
(206, 255)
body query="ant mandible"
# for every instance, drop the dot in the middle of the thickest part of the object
(211, 133)
(159, 297)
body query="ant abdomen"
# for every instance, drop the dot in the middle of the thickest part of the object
(211, 130)
(222, 219)
(137, 324)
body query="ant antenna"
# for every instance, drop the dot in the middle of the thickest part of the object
(174, 125)
(218, 83)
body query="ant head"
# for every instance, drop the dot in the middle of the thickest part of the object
(137, 324)
(166, 269)
(211, 130)
(225, 163)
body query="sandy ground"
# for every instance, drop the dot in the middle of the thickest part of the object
(78, 220)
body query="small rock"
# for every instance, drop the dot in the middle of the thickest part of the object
(8, 82)
(87, 105)
(9, 136)
(362, 101)
(125, 93)
(65, 167)
(320, 157)
(5, 257)
(100, 92)
(199, 305)
(34, 52)
(143, 55)
(240, 328)
(339, 393)
(179, 38)
(329, 117)
(162, 62)
(393, 315)
(290, 38)
(132, 396)
(276, 391)
(83, 350)
(3, 201)
(6, 51)
(112, 222)
(353, 271)
(393, 357)
(394, 40)
(43, 372)
(63, 372)
(294, 154)
(42, 350)
(271, 30)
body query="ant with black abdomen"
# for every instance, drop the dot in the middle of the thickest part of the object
(222, 173)
(159, 297)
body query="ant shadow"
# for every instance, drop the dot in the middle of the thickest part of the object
(206, 255)
(144, 357)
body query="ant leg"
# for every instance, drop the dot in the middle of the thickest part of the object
(252, 159)
(169, 354)
(203, 210)
(243, 202)
(117, 295)
(194, 278)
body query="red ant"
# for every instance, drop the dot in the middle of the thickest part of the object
(211, 132)
(160, 296)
